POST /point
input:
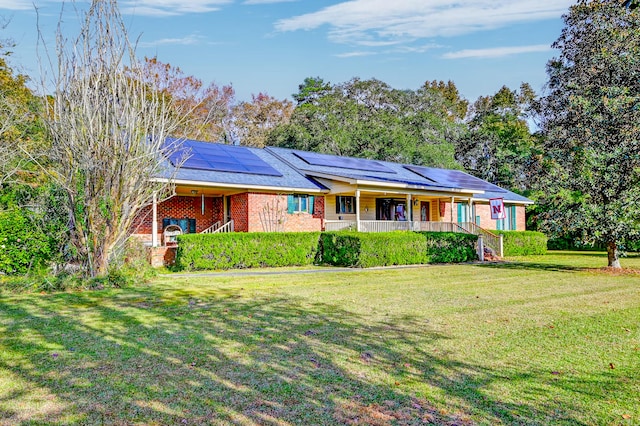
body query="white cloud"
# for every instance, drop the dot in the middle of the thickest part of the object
(171, 7)
(496, 52)
(183, 41)
(365, 20)
(354, 54)
(16, 4)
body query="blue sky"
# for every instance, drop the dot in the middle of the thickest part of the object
(272, 45)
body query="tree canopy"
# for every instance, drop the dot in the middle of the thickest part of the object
(591, 119)
(369, 118)
(499, 145)
(21, 129)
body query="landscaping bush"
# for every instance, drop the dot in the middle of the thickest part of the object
(395, 248)
(451, 247)
(523, 243)
(246, 250)
(375, 249)
(23, 246)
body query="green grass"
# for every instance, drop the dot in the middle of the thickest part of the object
(543, 340)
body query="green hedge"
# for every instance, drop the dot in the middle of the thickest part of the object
(395, 248)
(239, 250)
(451, 247)
(23, 245)
(523, 243)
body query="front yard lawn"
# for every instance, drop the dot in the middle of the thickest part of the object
(542, 340)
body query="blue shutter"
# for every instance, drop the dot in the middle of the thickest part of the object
(291, 204)
(513, 218)
(311, 200)
(459, 212)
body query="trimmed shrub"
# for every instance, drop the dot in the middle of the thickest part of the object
(451, 247)
(240, 250)
(395, 248)
(23, 246)
(523, 243)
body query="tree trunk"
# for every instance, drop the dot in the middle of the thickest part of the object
(613, 255)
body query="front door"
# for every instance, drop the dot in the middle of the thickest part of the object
(425, 211)
(391, 209)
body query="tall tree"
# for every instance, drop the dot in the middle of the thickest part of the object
(369, 118)
(205, 111)
(499, 146)
(453, 105)
(108, 129)
(591, 117)
(252, 121)
(21, 130)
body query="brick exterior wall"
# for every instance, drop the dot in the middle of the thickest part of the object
(486, 222)
(180, 207)
(484, 212)
(268, 212)
(239, 212)
(521, 219)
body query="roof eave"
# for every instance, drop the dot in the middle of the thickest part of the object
(240, 186)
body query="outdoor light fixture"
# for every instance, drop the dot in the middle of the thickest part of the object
(194, 191)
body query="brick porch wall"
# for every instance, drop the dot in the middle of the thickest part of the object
(180, 207)
(486, 222)
(262, 207)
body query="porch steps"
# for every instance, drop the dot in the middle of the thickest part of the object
(218, 227)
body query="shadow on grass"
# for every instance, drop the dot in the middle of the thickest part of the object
(177, 357)
(533, 266)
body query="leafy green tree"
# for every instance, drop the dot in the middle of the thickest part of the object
(370, 119)
(22, 135)
(591, 118)
(454, 105)
(311, 89)
(499, 147)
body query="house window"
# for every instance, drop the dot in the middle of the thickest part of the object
(509, 223)
(345, 204)
(300, 203)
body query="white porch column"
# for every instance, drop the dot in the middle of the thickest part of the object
(154, 223)
(358, 210)
(409, 208)
(472, 216)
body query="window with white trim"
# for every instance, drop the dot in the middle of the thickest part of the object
(300, 203)
(345, 204)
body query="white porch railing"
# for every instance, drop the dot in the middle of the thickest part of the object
(489, 239)
(339, 225)
(212, 229)
(218, 227)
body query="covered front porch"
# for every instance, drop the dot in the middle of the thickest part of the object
(382, 210)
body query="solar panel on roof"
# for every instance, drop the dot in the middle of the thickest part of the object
(454, 178)
(220, 158)
(328, 160)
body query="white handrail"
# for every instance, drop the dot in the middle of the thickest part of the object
(227, 227)
(212, 229)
